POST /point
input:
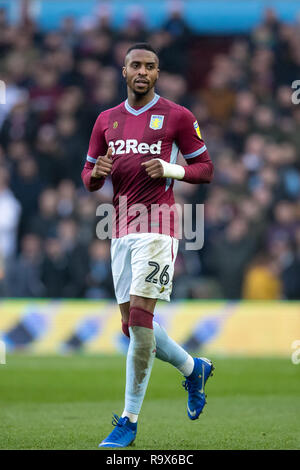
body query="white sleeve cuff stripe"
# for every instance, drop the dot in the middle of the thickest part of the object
(91, 159)
(196, 153)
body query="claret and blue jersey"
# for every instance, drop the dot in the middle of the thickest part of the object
(157, 130)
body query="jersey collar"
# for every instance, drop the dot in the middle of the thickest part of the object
(137, 112)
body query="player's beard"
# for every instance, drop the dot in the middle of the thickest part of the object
(146, 91)
(141, 93)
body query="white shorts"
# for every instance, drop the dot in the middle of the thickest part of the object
(143, 264)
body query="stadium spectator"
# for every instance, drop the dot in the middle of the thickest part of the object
(262, 280)
(10, 210)
(231, 253)
(44, 222)
(99, 276)
(55, 270)
(24, 276)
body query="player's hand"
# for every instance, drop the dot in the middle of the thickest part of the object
(154, 168)
(103, 165)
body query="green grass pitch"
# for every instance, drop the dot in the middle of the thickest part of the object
(67, 402)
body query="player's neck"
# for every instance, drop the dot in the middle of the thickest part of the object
(135, 100)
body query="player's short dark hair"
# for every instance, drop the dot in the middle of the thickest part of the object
(142, 45)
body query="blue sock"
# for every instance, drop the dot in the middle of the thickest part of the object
(140, 357)
(167, 349)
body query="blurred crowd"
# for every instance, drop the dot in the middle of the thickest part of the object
(58, 82)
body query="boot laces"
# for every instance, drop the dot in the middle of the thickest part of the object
(190, 386)
(120, 429)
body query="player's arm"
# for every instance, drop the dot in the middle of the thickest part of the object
(200, 167)
(98, 163)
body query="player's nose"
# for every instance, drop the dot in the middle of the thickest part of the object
(143, 70)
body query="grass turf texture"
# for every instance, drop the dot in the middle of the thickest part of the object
(67, 403)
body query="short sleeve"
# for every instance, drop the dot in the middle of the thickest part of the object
(97, 145)
(189, 137)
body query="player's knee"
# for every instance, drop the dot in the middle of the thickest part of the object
(140, 317)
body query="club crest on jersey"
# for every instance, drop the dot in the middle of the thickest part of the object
(156, 122)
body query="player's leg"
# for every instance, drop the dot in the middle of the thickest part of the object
(195, 370)
(125, 431)
(167, 349)
(124, 309)
(140, 355)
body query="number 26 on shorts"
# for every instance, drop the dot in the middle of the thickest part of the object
(163, 277)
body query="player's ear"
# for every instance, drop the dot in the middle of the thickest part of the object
(124, 71)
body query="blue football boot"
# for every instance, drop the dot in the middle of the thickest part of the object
(195, 383)
(123, 435)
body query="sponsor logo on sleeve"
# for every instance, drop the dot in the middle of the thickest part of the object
(197, 129)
